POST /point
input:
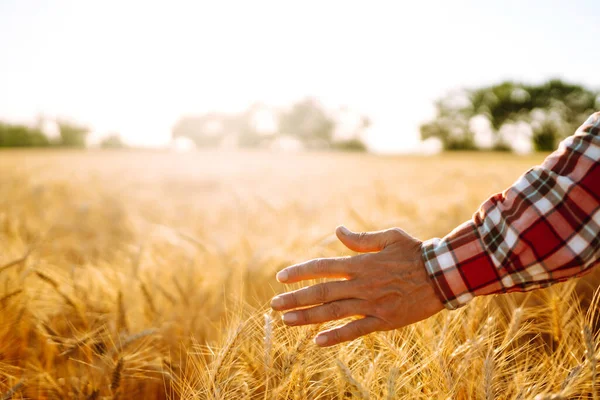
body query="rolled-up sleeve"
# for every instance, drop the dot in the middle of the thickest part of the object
(542, 230)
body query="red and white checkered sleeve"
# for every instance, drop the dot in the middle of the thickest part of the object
(542, 230)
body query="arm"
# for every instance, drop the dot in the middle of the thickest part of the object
(542, 230)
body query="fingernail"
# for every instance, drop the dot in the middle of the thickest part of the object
(290, 318)
(277, 302)
(345, 230)
(282, 276)
(321, 340)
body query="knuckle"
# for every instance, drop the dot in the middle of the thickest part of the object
(359, 262)
(396, 234)
(335, 311)
(347, 266)
(321, 292)
(364, 259)
(320, 266)
(397, 231)
(303, 317)
(350, 266)
(356, 330)
(291, 300)
(382, 312)
(368, 290)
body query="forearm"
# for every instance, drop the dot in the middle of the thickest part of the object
(542, 230)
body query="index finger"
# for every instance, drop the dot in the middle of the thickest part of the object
(337, 267)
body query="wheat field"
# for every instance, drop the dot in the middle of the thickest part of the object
(147, 275)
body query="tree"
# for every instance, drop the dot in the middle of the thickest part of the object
(545, 140)
(71, 134)
(354, 144)
(256, 125)
(214, 129)
(307, 121)
(112, 141)
(21, 136)
(553, 109)
(259, 125)
(206, 130)
(450, 126)
(350, 128)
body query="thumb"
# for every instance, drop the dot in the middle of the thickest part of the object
(364, 242)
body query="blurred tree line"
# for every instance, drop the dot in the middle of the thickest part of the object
(69, 135)
(505, 116)
(495, 117)
(306, 123)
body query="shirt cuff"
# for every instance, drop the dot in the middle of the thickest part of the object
(444, 274)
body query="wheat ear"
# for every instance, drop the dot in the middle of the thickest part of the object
(115, 380)
(355, 384)
(13, 390)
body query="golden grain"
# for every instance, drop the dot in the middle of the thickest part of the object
(155, 270)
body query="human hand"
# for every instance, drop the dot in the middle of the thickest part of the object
(389, 287)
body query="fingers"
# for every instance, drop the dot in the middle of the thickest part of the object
(313, 295)
(338, 267)
(350, 331)
(366, 242)
(326, 312)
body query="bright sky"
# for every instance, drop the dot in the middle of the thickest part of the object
(135, 66)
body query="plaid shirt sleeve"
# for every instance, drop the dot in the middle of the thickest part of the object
(542, 230)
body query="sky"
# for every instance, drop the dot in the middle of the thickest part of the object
(134, 67)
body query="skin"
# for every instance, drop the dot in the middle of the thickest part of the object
(387, 287)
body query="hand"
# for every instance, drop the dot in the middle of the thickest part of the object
(389, 289)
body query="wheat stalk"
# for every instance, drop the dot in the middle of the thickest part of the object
(95, 395)
(268, 346)
(132, 338)
(148, 298)
(355, 384)
(298, 350)
(115, 380)
(573, 373)
(183, 295)
(514, 325)
(17, 261)
(591, 356)
(556, 320)
(121, 314)
(82, 341)
(391, 383)
(224, 355)
(488, 375)
(165, 293)
(13, 390)
(7, 296)
(56, 287)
